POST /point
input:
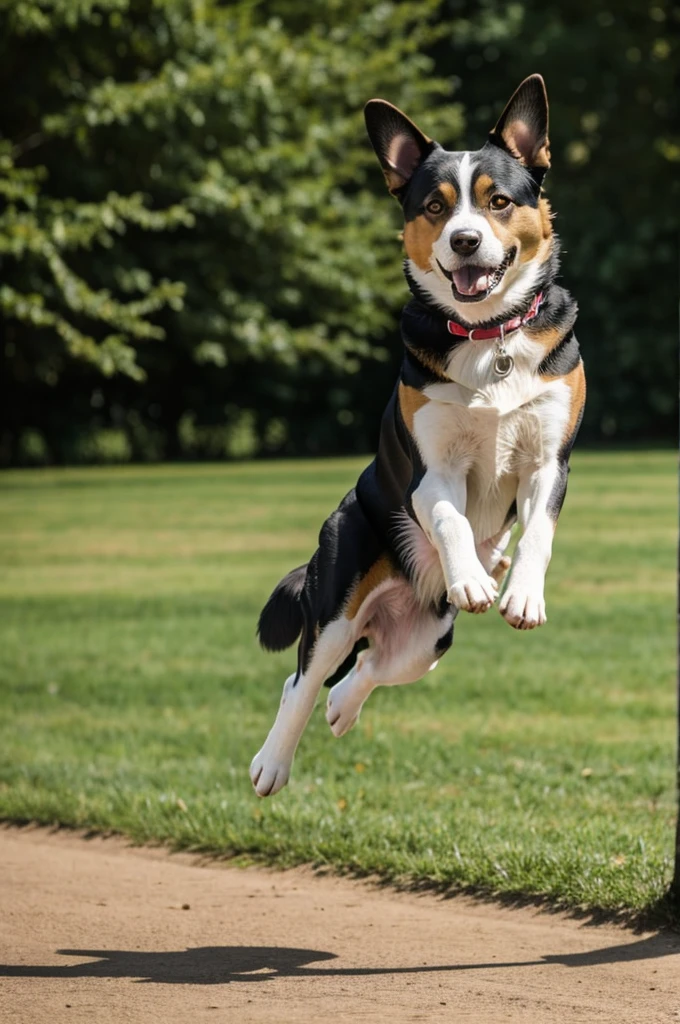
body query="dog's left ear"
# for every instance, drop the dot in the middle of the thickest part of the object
(399, 145)
(522, 128)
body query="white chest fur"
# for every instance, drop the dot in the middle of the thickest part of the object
(475, 384)
(492, 429)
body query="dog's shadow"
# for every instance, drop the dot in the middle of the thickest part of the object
(219, 965)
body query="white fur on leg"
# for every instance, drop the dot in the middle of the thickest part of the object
(347, 698)
(439, 504)
(523, 603)
(270, 768)
(475, 593)
(491, 552)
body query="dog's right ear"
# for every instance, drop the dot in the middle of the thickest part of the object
(399, 145)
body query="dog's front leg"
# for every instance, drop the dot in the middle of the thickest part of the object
(439, 504)
(539, 499)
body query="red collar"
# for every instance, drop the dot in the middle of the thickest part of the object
(483, 334)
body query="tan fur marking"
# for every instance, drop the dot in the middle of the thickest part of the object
(522, 228)
(379, 572)
(576, 381)
(501, 570)
(546, 216)
(549, 337)
(430, 361)
(483, 188)
(449, 193)
(421, 234)
(527, 228)
(419, 237)
(502, 228)
(410, 400)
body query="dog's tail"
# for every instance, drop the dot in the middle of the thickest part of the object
(281, 618)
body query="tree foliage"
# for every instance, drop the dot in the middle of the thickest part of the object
(198, 257)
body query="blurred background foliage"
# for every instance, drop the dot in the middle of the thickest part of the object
(198, 256)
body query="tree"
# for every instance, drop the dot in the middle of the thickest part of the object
(189, 199)
(198, 255)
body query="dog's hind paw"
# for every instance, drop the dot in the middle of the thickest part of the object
(343, 707)
(267, 774)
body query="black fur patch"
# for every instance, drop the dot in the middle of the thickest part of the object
(348, 546)
(349, 662)
(566, 448)
(562, 359)
(444, 642)
(384, 485)
(559, 491)
(443, 168)
(428, 342)
(281, 618)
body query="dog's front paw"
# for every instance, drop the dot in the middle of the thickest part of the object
(476, 592)
(523, 608)
(269, 774)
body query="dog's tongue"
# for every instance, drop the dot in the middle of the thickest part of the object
(471, 280)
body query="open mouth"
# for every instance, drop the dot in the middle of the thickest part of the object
(472, 284)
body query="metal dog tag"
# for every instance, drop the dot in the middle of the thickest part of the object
(503, 364)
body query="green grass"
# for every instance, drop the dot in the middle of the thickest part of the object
(133, 693)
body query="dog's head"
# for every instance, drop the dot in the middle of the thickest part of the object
(478, 233)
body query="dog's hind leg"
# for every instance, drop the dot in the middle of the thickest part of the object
(491, 554)
(406, 642)
(349, 564)
(270, 768)
(347, 697)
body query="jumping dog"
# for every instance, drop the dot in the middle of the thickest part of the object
(477, 434)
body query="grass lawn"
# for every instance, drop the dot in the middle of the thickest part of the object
(133, 692)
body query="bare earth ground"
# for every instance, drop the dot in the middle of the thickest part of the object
(93, 930)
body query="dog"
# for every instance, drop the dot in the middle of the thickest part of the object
(477, 434)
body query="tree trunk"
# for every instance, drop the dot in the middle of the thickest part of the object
(674, 893)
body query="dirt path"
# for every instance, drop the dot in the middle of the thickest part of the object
(92, 930)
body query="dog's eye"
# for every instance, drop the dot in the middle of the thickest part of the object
(499, 202)
(435, 206)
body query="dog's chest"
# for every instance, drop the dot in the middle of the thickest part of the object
(489, 428)
(478, 438)
(475, 383)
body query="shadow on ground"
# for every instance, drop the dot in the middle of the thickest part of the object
(219, 965)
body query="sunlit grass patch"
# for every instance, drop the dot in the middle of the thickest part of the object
(134, 693)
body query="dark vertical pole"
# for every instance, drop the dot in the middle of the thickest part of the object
(674, 893)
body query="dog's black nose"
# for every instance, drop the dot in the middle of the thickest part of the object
(465, 242)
